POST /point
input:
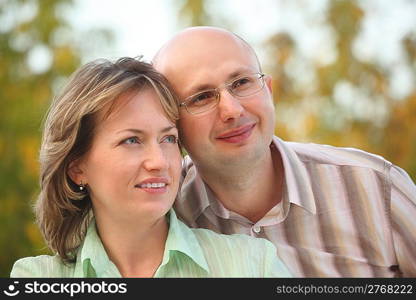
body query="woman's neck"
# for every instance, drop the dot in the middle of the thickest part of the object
(136, 249)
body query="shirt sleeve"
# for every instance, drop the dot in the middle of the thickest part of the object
(25, 267)
(40, 266)
(403, 210)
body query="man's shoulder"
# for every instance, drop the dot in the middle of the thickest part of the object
(41, 266)
(338, 156)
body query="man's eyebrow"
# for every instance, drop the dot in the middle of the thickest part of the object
(203, 87)
(237, 73)
(200, 88)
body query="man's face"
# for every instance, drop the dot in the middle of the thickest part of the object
(238, 130)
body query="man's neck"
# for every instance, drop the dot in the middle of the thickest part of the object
(249, 190)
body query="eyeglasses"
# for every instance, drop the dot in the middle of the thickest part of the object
(241, 87)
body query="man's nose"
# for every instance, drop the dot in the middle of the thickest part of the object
(155, 158)
(229, 106)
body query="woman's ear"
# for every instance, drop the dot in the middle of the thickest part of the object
(75, 172)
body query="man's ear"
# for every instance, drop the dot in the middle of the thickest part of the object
(269, 83)
(76, 173)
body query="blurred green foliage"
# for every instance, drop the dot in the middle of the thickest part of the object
(350, 103)
(37, 53)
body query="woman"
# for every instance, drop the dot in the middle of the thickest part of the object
(110, 172)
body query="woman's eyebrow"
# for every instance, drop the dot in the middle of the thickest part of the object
(139, 131)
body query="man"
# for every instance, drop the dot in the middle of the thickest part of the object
(331, 212)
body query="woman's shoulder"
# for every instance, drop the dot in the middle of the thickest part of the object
(241, 246)
(233, 240)
(41, 266)
(241, 254)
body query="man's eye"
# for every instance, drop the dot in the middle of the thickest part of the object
(171, 139)
(242, 83)
(202, 99)
(131, 140)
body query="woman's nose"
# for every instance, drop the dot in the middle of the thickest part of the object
(155, 159)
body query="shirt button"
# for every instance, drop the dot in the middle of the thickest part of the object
(256, 229)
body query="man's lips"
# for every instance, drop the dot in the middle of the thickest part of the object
(238, 134)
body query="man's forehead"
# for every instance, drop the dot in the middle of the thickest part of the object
(203, 58)
(196, 42)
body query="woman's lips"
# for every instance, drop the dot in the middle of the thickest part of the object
(156, 185)
(237, 135)
(154, 190)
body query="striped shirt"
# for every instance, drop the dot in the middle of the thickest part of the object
(188, 253)
(344, 213)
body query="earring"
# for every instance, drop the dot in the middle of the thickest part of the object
(81, 186)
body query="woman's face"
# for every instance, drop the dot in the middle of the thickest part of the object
(133, 167)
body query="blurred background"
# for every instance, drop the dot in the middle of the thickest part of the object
(344, 74)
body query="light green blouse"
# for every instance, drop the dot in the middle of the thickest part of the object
(188, 253)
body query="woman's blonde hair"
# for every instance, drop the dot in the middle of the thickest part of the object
(63, 212)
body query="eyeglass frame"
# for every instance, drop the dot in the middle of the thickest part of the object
(217, 90)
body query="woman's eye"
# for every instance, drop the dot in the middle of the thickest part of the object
(171, 139)
(131, 140)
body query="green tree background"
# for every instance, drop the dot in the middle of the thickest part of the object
(38, 50)
(345, 101)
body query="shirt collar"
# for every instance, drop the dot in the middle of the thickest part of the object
(296, 182)
(93, 261)
(182, 239)
(192, 187)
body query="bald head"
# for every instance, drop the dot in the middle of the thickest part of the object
(202, 39)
